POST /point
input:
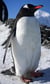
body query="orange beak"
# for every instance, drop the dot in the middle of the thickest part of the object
(37, 7)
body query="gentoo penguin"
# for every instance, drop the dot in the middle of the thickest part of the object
(26, 43)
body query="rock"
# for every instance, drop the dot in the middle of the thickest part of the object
(45, 35)
(1, 22)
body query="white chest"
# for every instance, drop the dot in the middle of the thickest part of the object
(26, 45)
(27, 30)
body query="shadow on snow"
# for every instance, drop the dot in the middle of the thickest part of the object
(45, 78)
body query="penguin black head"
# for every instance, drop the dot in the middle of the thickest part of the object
(31, 8)
(27, 10)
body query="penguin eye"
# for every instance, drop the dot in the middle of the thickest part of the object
(25, 6)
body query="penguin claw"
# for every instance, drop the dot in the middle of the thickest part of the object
(37, 74)
(26, 80)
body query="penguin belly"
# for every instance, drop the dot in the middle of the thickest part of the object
(26, 45)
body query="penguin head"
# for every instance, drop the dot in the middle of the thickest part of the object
(31, 8)
(27, 10)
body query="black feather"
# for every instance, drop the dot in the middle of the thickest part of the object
(6, 42)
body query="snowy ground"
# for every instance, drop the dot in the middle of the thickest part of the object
(44, 64)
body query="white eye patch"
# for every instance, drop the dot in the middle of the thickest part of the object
(25, 6)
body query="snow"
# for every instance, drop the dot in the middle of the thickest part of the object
(44, 64)
(43, 17)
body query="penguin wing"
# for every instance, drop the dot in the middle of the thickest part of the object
(7, 41)
(12, 27)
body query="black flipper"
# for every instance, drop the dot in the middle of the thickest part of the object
(6, 43)
(5, 54)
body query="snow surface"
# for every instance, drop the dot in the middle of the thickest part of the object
(44, 64)
(43, 17)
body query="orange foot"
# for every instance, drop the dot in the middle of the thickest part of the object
(37, 74)
(26, 80)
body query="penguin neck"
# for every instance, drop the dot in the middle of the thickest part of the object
(24, 13)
